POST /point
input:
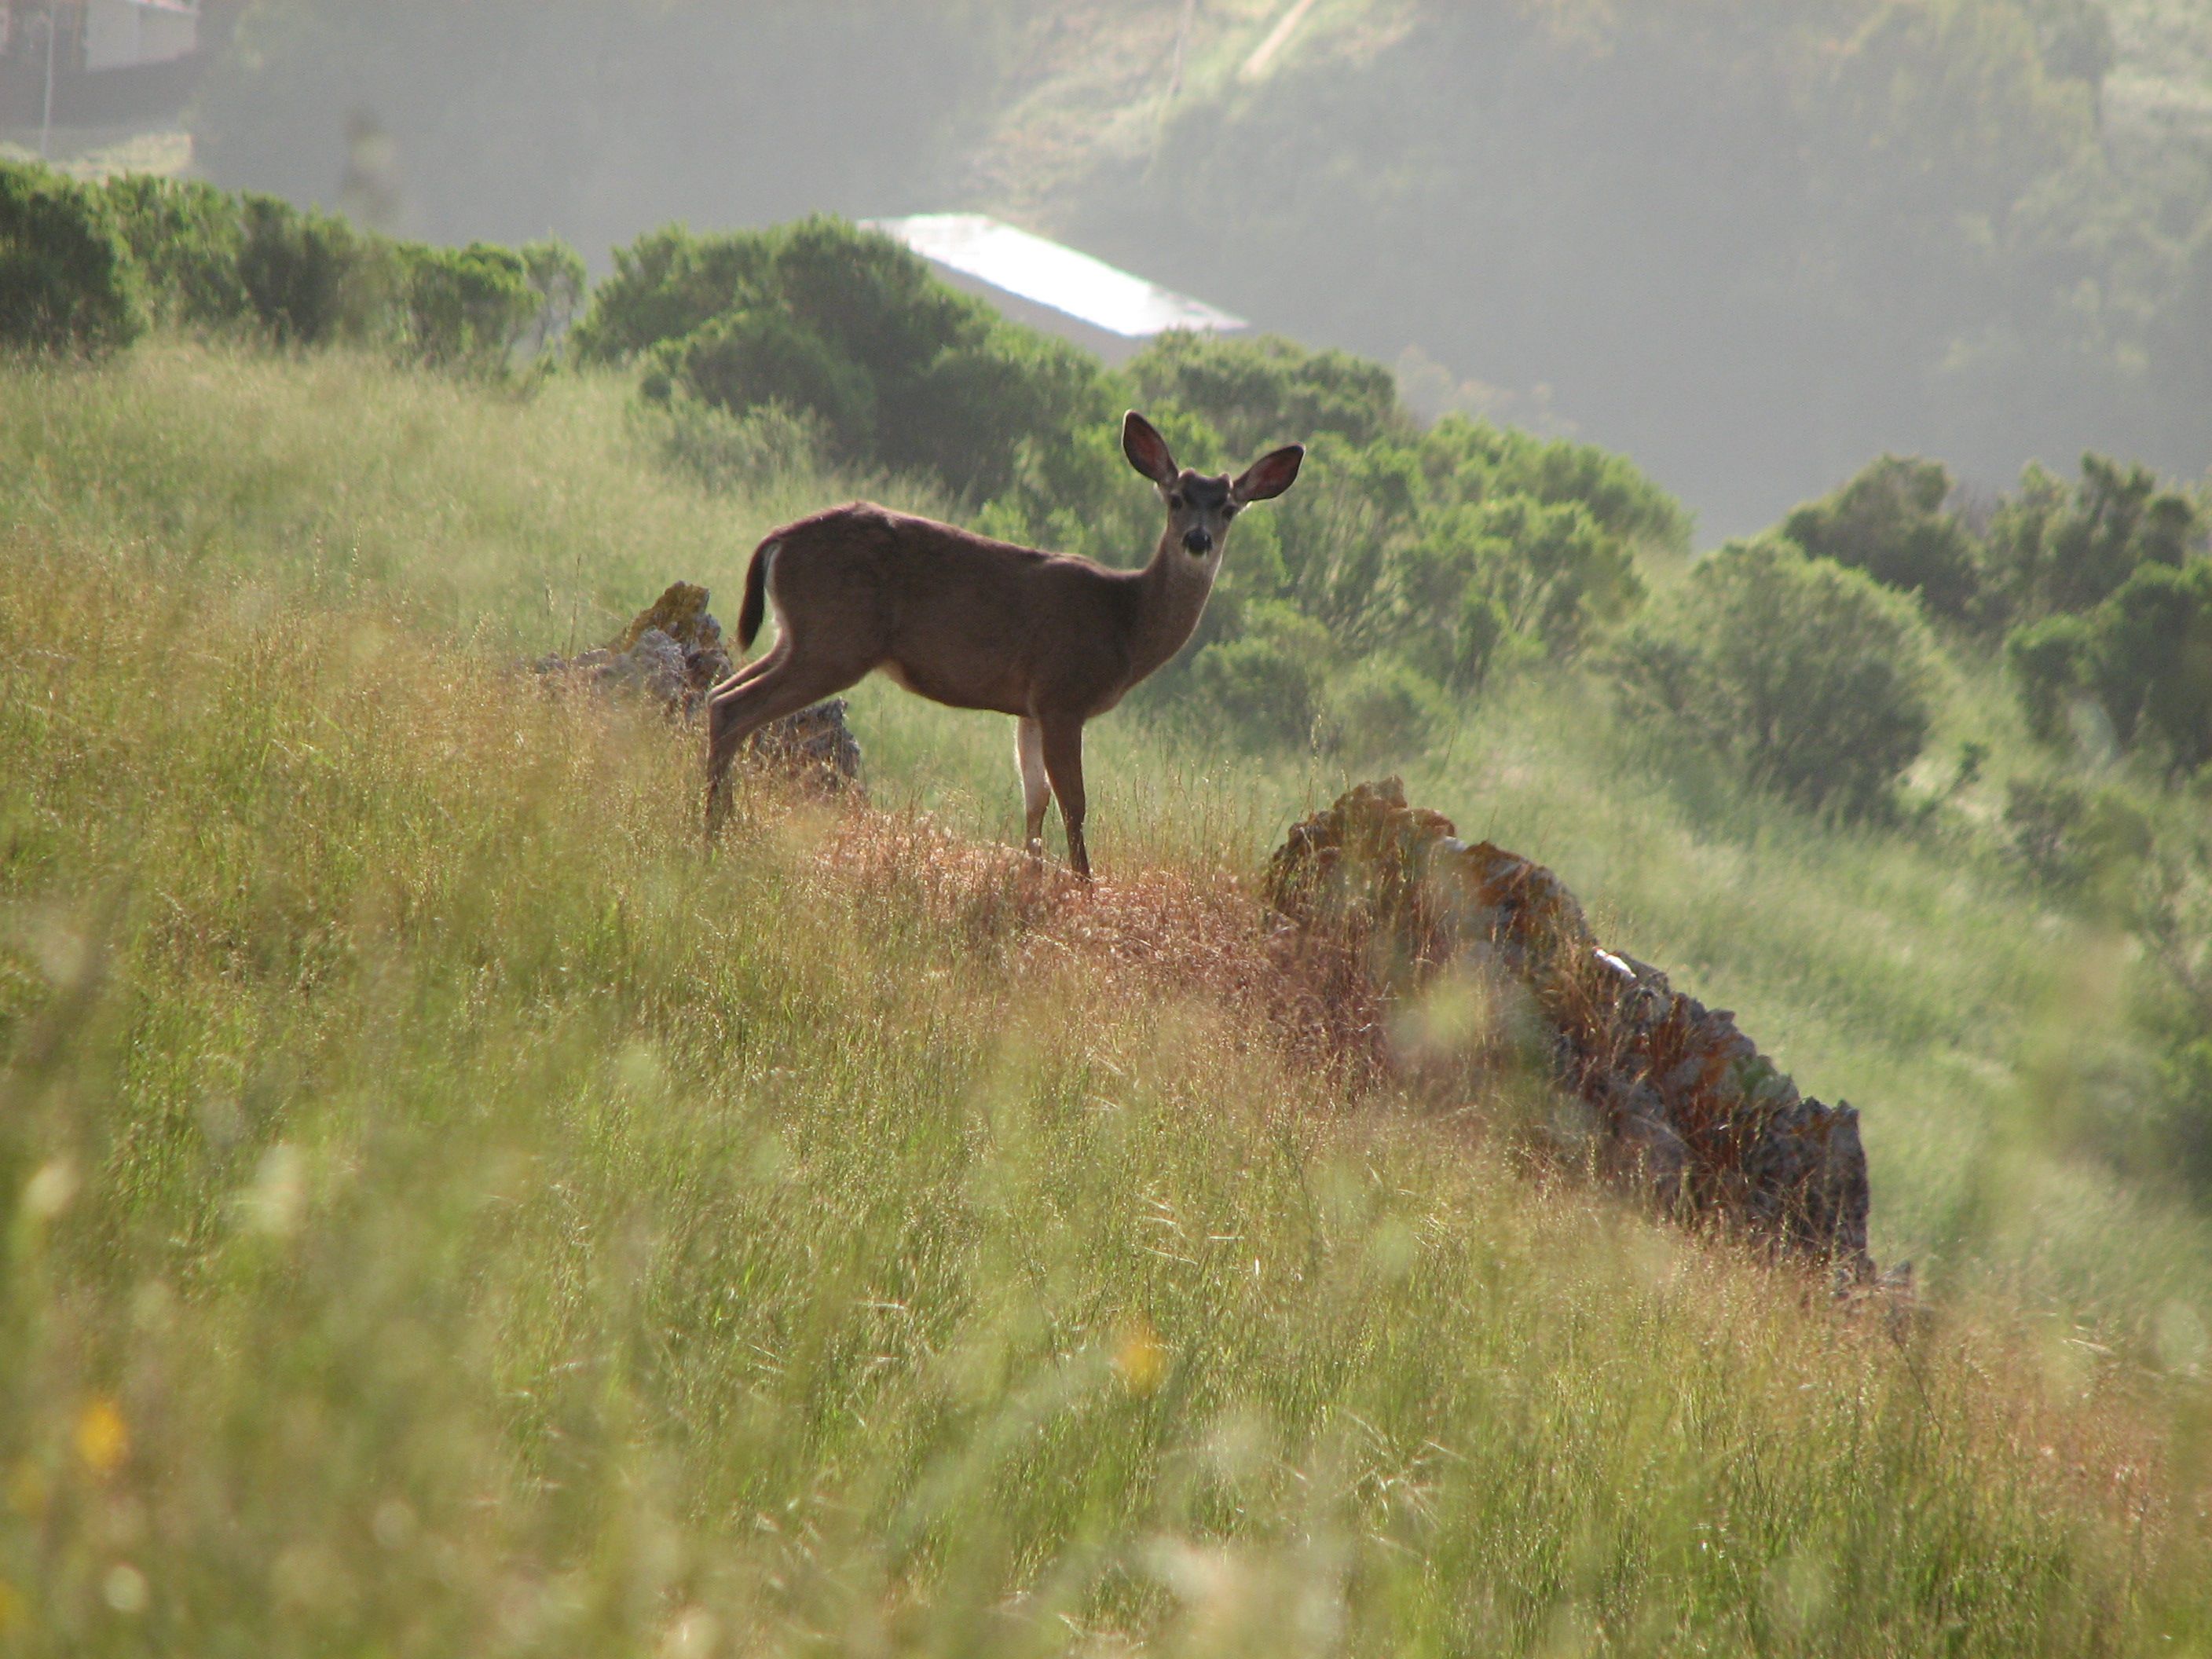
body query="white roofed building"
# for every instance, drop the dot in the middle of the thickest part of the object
(1053, 288)
(125, 33)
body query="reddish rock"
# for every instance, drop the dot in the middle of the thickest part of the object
(1685, 1108)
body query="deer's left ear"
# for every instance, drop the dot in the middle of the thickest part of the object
(1269, 476)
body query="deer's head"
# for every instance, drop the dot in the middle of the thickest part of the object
(1201, 508)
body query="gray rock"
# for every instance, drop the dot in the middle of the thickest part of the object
(672, 653)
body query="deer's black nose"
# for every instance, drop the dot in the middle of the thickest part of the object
(1200, 542)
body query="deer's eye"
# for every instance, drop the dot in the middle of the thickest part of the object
(1175, 500)
(1230, 511)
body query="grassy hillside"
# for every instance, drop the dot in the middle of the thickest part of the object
(445, 1212)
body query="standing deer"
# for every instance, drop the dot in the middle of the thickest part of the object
(1050, 639)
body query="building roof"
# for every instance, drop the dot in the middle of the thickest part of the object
(1057, 278)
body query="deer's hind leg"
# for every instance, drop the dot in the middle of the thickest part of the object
(1036, 784)
(747, 700)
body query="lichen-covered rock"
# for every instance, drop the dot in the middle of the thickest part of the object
(680, 616)
(672, 653)
(1687, 1107)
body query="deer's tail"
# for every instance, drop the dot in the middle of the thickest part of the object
(755, 605)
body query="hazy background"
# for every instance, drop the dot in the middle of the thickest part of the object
(1753, 243)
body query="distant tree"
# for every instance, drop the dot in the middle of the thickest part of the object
(2075, 39)
(1889, 521)
(596, 119)
(2144, 656)
(1813, 678)
(468, 309)
(848, 327)
(67, 280)
(1270, 390)
(2054, 551)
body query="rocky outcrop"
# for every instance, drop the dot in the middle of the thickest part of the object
(672, 653)
(1684, 1106)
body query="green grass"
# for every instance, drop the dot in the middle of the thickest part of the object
(443, 1213)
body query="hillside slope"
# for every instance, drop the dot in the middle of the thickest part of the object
(445, 1212)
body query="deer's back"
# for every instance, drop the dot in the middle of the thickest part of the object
(954, 615)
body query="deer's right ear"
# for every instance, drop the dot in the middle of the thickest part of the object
(1147, 451)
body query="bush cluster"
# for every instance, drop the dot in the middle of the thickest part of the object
(1406, 565)
(2098, 592)
(86, 266)
(1809, 675)
(848, 329)
(66, 279)
(1433, 556)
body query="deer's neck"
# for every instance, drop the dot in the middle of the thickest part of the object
(1175, 587)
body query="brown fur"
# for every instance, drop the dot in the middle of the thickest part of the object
(1048, 638)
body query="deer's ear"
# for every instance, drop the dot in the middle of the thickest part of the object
(1147, 451)
(1269, 476)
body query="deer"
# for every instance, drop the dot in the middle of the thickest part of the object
(1053, 640)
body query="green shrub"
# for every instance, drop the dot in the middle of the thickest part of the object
(215, 260)
(969, 415)
(1553, 573)
(67, 283)
(1889, 521)
(557, 275)
(2143, 656)
(666, 284)
(749, 359)
(1268, 390)
(2050, 662)
(1381, 711)
(2053, 551)
(1264, 688)
(468, 308)
(1480, 630)
(1810, 677)
(905, 373)
(187, 237)
(1342, 531)
(1468, 461)
(313, 280)
(727, 452)
(2073, 836)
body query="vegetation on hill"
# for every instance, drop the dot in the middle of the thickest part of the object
(84, 265)
(442, 1212)
(1407, 564)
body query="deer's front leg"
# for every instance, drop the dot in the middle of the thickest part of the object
(1063, 765)
(1036, 786)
